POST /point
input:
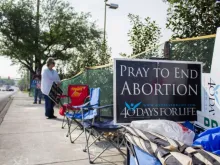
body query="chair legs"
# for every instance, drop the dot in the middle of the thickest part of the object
(131, 151)
(64, 123)
(69, 133)
(87, 140)
(101, 135)
(87, 145)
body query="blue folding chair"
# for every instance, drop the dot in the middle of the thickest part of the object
(100, 127)
(136, 156)
(90, 122)
(86, 112)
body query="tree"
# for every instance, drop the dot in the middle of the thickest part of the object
(143, 35)
(24, 82)
(193, 18)
(95, 53)
(63, 34)
(124, 55)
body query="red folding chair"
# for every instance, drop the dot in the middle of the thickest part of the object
(77, 95)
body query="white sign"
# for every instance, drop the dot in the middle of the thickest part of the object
(205, 91)
(207, 121)
(215, 73)
(210, 104)
(209, 116)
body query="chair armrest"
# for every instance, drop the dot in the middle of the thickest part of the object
(104, 106)
(90, 107)
(96, 107)
(80, 106)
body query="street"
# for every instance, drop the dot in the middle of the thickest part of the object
(5, 94)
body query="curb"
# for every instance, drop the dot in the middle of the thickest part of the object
(5, 108)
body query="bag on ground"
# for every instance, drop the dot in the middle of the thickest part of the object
(166, 128)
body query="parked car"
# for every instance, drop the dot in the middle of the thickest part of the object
(11, 90)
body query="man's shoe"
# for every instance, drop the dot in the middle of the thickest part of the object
(34, 102)
(52, 117)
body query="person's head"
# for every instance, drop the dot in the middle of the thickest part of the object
(50, 63)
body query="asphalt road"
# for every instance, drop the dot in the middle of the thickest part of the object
(5, 94)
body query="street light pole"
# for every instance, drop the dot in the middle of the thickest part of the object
(37, 33)
(104, 42)
(36, 53)
(111, 6)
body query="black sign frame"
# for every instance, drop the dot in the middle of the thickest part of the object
(115, 84)
(54, 92)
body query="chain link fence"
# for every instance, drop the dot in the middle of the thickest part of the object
(191, 49)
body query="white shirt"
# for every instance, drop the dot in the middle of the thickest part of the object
(48, 77)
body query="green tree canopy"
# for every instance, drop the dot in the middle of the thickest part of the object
(144, 35)
(193, 18)
(95, 53)
(63, 33)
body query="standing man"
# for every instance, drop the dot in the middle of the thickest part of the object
(37, 89)
(49, 75)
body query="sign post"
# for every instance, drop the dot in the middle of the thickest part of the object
(153, 89)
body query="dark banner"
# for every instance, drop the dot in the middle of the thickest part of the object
(54, 92)
(156, 90)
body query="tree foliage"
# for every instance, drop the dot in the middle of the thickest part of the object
(94, 54)
(144, 35)
(24, 82)
(63, 33)
(193, 18)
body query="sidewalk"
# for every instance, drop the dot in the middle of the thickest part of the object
(28, 138)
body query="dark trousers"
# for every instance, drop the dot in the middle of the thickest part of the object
(49, 105)
(37, 93)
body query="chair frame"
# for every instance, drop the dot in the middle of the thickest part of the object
(70, 122)
(64, 121)
(131, 150)
(87, 106)
(100, 135)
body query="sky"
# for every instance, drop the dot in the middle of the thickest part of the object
(117, 27)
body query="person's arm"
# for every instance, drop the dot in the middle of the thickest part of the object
(57, 79)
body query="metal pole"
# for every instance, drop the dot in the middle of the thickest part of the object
(105, 27)
(34, 59)
(37, 33)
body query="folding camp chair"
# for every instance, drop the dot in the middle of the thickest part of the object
(136, 156)
(77, 95)
(101, 128)
(77, 117)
